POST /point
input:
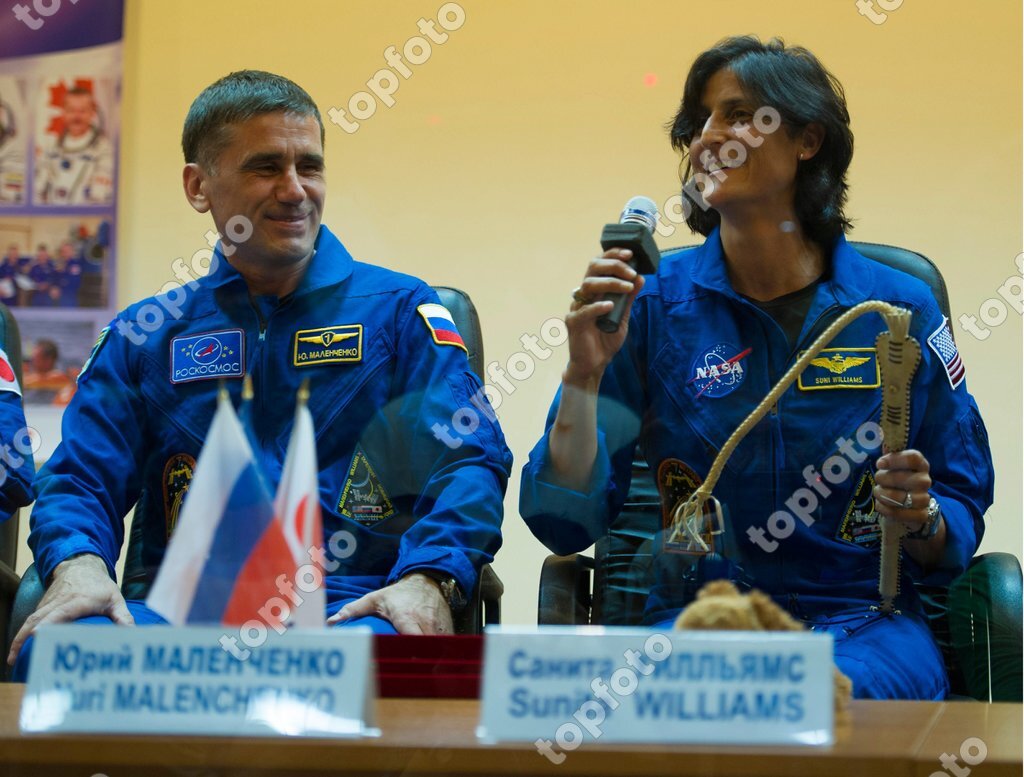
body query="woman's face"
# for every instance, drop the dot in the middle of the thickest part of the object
(742, 156)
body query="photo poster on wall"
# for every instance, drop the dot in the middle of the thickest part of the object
(60, 93)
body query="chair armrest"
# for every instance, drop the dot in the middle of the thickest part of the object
(564, 597)
(8, 589)
(484, 605)
(491, 591)
(30, 592)
(8, 585)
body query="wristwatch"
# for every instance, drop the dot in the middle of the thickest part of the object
(450, 588)
(930, 527)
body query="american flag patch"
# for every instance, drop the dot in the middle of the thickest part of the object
(441, 325)
(941, 341)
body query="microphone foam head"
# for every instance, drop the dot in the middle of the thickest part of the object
(640, 210)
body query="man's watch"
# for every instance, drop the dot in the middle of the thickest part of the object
(450, 588)
(930, 527)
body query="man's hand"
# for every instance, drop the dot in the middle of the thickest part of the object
(413, 605)
(80, 587)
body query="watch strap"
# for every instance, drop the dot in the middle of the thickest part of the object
(930, 527)
(450, 588)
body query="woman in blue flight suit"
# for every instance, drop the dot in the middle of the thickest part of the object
(764, 130)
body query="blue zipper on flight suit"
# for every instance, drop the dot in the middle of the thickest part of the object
(257, 379)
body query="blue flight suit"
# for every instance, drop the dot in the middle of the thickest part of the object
(17, 468)
(68, 280)
(42, 274)
(380, 380)
(8, 269)
(698, 358)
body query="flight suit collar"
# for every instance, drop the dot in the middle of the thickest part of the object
(851, 279)
(331, 264)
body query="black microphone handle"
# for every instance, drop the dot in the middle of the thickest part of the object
(638, 239)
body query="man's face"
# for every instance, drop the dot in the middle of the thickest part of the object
(79, 114)
(41, 360)
(272, 174)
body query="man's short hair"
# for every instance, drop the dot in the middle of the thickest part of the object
(48, 348)
(80, 91)
(235, 98)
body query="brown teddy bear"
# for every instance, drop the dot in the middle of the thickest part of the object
(720, 606)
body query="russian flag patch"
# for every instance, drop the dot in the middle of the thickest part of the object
(441, 325)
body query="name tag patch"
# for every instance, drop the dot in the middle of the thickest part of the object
(328, 345)
(207, 356)
(841, 368)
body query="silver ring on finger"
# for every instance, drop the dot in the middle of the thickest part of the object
(908, 501)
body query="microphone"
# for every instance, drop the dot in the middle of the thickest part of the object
(635, 232)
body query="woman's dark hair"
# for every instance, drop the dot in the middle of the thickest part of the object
(793, 82)
(238, 97)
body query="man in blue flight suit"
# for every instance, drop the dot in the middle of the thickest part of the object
(284, 302)
(8, 269)
(42, 274)
(17, 444)
(67, 277)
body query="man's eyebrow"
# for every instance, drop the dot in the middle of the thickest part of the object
(255, 160)
(311, 158)
(274, 157)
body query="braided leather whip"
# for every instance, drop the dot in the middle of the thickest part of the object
(898, 357)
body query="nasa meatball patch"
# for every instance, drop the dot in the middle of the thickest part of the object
(208, 356)
(718, 371)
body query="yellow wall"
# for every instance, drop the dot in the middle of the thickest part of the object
(527, 130)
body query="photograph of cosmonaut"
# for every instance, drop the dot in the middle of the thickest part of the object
(74, 148)
(14, 138)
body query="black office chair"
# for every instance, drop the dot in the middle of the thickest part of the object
(10, 341)
(976, 621)
(484, 606)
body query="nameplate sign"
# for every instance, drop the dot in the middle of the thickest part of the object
(564, 687)
(181, 680)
